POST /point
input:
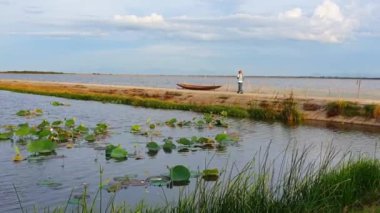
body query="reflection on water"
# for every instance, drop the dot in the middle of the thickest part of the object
(80, 165)
(306, 87)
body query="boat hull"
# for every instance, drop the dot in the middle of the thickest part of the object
(198, 87)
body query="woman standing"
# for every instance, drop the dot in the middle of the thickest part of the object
(240, 81)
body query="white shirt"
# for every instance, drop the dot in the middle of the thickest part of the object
(240, 77)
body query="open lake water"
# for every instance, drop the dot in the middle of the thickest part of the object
(80, 165)
(304, 87)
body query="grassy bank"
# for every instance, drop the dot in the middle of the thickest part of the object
(349, 185)
(286, 110)
(351, 109)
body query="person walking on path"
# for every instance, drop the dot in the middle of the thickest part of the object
(240, 82)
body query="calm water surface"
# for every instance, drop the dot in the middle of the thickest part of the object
(344, 88)
(81, 164)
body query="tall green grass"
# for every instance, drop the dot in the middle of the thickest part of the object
(325, 184)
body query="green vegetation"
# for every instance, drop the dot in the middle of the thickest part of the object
(285, 111)
(350, 109)
(348, 185)
(30, 113)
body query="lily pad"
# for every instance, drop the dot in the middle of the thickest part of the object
(6, 135)
(210, 172)
(109, 149)
(82, 129)
(70, 123)
(23, 130)
(171, 122)
(185, 141)
(57, 103)
(90, 138)
(101, 128)
(153, 146)
(169, 146)
(119, 153)
(135, 129)
(50, 183)
(158, 180)
(43, 146)
(179, 173)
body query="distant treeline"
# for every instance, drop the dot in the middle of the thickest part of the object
(32, 72)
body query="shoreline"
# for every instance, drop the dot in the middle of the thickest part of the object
(186, 99)
(197, 75)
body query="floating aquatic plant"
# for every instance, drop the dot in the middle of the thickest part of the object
(161, 180)
(23, 130)
(101, 128)
(30, 113)
(119, 153)
(171, 122)
(169, 146)
(57, 103)
(49, 182)
(6, 135)
(185, 141)
(90, 138)
(179, 173)
(210, 174)
(153, 146)
(42, 146)
(70, 123)
(135, 128)
(109, 149)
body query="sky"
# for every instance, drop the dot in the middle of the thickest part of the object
(213, 37)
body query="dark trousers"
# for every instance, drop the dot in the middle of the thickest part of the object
(240, 87)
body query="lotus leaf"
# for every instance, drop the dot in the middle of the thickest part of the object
(153, 146)
(23, 113)
(152, 126)
(109, 149)
(90, 138)
(43, 133)
(43, 124)
(179, 173)
(171, 122)
(119, 153)
(210, 172)
(114, 187)
(222, 137)
(184, 141)
(56, 123)
(184, 123)
(6, 135)
(81, 129)
(136, 128)
(101, 128)
(208, 117)
(43, 146)
(49, 183)
(70, 123)
(158, 180)
(57, 103)
(23, 130)
(168, 146)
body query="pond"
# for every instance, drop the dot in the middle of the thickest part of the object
(50, 182)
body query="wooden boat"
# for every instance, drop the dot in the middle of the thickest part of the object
(198, 87)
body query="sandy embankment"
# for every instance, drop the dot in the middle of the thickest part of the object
(192, 97)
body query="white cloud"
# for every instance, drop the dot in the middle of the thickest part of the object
(328, 22)
(153, 20)
(294, 13)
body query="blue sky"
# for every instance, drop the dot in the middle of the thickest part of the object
(272, 37)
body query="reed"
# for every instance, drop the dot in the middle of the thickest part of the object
(329, 184)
